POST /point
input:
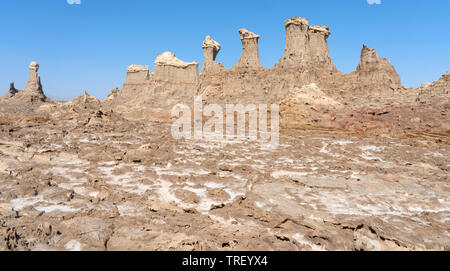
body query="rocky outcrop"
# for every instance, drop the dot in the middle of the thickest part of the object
(137, 74)
(306, 46)
(210, 50)
(144, 94)
(297, 51)
(32, 93)
(113, 94)
(439, 88)
(34, 86)
(12, 91)
(306, 60)
(372, 67)
(320, 55)
(250, 52)
(169, 68)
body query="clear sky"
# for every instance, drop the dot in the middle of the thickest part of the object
(88, 46)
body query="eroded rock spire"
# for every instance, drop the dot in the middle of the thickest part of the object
(12, 90)
(373, 67)
(318, 43)
(34, 86)
(250, 51)
(297, 51)
(210, 50)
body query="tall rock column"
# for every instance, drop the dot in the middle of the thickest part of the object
(250, 51)
(210, 50)
(320, 53)
(297, 52)
(34, 86)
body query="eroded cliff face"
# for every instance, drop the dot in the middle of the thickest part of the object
(143, 94)
(137, 74)
(168, 68)
(320, 55)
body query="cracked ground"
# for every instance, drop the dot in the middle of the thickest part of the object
(103, 184)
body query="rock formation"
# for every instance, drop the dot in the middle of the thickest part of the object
(143, 93)
(137, 74)
(297, 51)
(306, 60)
(113, 94)
(34, 87)
(26, 100)
(250, 52)
(374, 68)
(306, 46)
(169, 68)
(12, 91)
(320, 56)
(210, 50)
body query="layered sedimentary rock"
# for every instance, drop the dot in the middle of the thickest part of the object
(137, 74)
(320, 55)
(210, 50)
(169, 68)
(250, 51)
(306, 46)
(438, 88)
(297, 51)
(172, 81)
(375, 68)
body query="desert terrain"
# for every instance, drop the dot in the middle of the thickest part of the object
(362, 161)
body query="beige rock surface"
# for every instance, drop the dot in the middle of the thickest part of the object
(250, 51)
(362, 163)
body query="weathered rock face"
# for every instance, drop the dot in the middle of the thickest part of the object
(374, 68)
(210, 50)
(34, 86)
(169, 68)
(173, 81)
(297, 51)
(320, 55)
(137, 74)
(439, 88)
(306, 46)
(307, 106)
(250, 51)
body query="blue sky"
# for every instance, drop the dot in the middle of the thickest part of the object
(88, 46)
